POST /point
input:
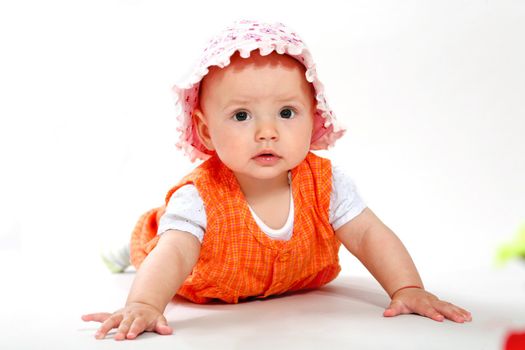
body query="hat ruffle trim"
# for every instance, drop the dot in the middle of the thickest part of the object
(326, 128)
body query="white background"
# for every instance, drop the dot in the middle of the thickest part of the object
(432, 94)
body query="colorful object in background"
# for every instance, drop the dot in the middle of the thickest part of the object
(515, 341)
(515, 249)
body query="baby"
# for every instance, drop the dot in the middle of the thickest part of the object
(262, 215)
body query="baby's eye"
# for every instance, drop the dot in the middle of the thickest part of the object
(287, 113)
(241, 116)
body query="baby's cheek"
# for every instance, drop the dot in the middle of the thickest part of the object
(229, 150)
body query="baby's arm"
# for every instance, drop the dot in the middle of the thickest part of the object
(157, 280)
(387, 259)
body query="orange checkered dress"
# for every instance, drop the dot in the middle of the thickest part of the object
(237, 260)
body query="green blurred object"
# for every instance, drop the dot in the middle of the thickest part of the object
(514, 249)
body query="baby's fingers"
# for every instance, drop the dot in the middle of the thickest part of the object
(396, 308)
(107, 325)
(466, 314)
(123, 329)
(161, 327)
(137, 327)
(133, 328)
(97, 317)
(431, 312)
(452, 312)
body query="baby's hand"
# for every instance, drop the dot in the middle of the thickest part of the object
(130, 321)
(419, 301)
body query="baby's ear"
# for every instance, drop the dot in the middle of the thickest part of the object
(202, 129)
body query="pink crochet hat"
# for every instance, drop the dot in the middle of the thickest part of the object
(245, 37)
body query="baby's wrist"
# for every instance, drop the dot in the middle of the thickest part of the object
(138, 303)
(405, 287)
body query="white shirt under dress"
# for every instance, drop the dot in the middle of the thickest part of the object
(185, 210)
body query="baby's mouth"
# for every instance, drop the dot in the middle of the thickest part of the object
(267, 154)
(267, 157)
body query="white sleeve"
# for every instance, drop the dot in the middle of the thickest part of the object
(345, 202)
(184, 212)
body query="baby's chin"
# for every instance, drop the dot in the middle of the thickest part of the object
(262, 175)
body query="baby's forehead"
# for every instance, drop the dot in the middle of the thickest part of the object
(255, 63)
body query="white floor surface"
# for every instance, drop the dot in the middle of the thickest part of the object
(41, 307)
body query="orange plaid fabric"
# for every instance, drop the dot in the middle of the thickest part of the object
(237, 260)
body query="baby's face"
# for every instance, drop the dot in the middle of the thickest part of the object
(257, 114)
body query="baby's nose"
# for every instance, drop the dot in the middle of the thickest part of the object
(266, 132)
